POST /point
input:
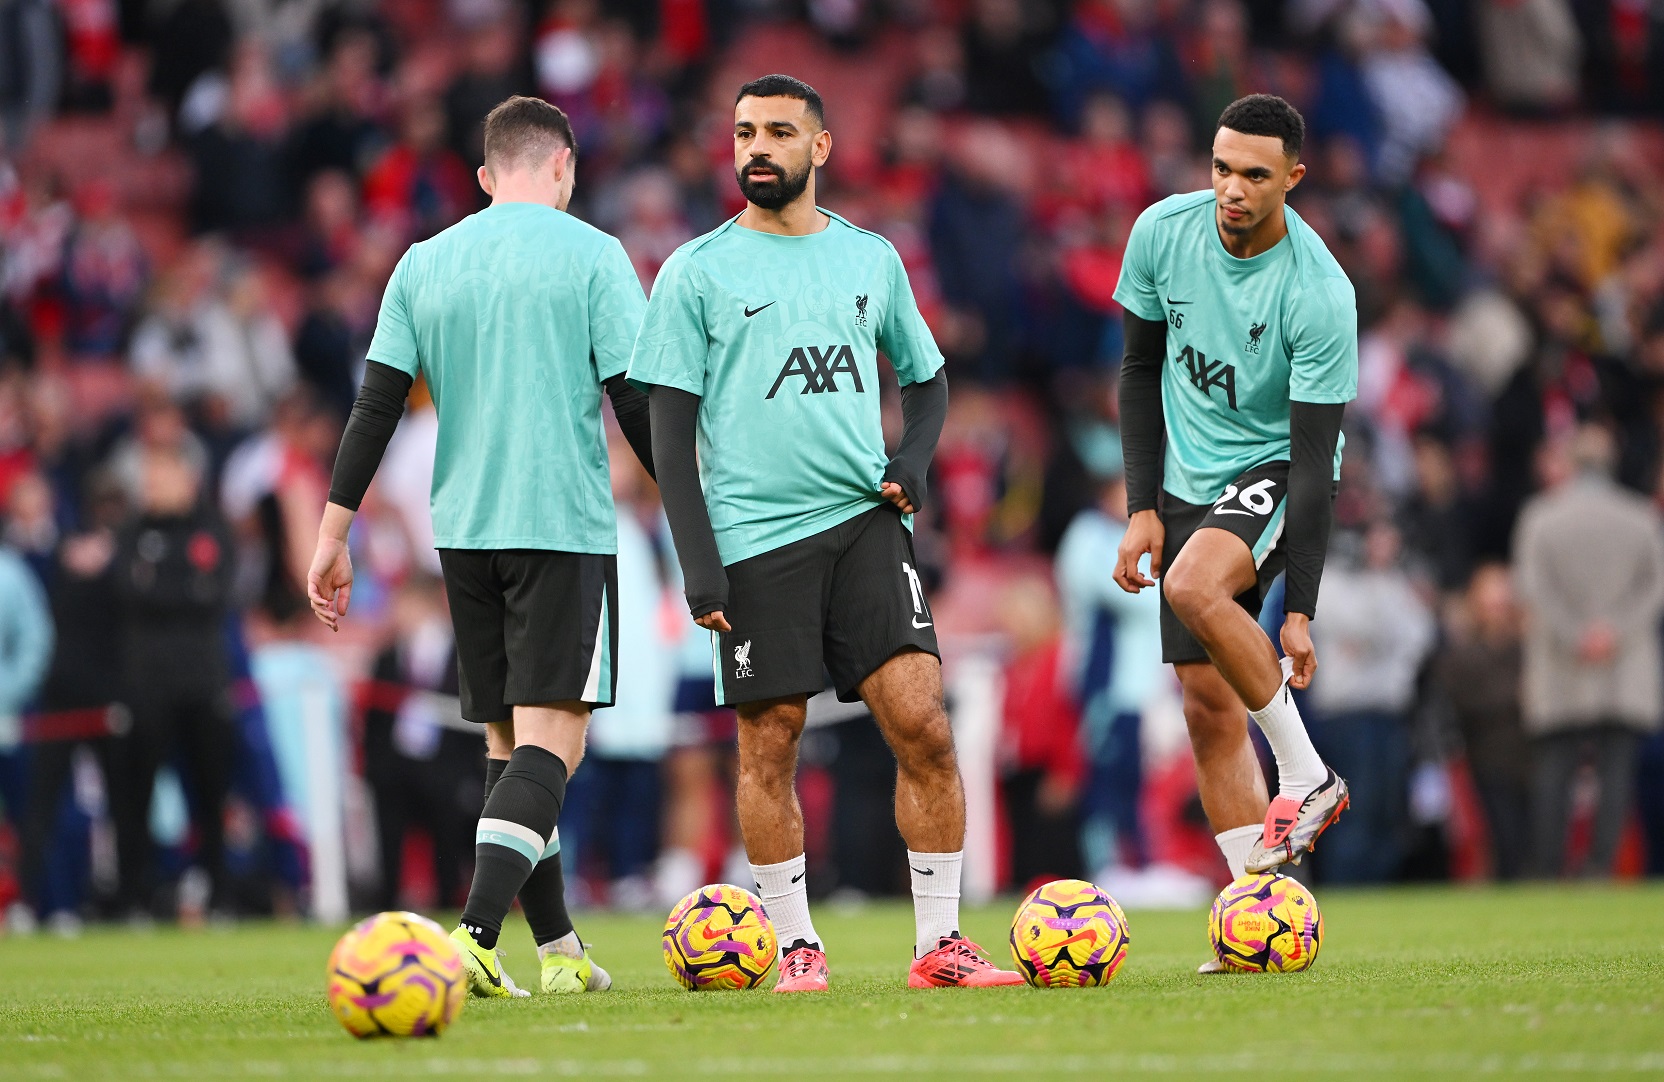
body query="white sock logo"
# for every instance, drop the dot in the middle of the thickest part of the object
(742, 660)
(918, 594)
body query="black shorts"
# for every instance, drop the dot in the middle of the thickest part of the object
(842, 602)
(532, 626)
(1252, 508)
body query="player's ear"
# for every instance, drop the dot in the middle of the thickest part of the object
(822, 149)
(483, 175)
(560, 161)
(1294, 176)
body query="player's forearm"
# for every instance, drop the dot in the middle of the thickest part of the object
(1314, 430)
(675, 422)
(924, 409)
(375, 415)
(630, 406)
(337, 521)
(1142, 422)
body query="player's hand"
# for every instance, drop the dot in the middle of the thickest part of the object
(893, 492)
(1297, 644)
(713, 621)
(329, 581)
(1145, 533)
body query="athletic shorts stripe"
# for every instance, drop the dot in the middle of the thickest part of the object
(522, 839)
(600, 665)
(1273, 534)
(553, 848)
(716, 666)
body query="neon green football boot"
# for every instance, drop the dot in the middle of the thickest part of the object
(486, 975)
(565, 972)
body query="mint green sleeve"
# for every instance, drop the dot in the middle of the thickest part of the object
(616, 304)
(1136, 291)
(1323, 343)
(394, 344)
(672, 348)
(904, 336)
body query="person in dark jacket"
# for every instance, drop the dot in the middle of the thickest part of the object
(422, 764)
(79, 699)
(1479, 671)
(173, 572)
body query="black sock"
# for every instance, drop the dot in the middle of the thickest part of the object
(543, 897)
(514, 830)
(543, 901)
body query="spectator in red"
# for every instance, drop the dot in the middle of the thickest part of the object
(420, 186)
(1041, 766)
(1106, 166)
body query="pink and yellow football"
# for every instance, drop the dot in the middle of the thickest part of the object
(1266, 924)
(719, 937)
(396, 975)
(1069, 934)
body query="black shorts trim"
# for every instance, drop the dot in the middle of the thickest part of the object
(1252, 508)
(532, 626)
(839, 603)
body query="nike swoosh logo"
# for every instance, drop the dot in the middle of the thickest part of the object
(1170, 300)
(749, 312)
(919, 625)
(924, 871)
(798, 876)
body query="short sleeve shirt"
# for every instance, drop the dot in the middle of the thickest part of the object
(1244, 338)
(515, 316)
(779, 336)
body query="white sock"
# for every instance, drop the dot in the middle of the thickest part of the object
(1299, 768)
(1236, 844)
(935, 897)
(785, 894)
(567, 946)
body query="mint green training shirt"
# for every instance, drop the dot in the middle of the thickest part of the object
(515, 315)
(1244, 337)
(780, 337)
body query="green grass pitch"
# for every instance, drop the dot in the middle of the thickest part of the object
(1550, 981)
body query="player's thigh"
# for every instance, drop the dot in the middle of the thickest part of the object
(876, 609)
(776, 608)
(560, 630)
(477, 615)
(1215, 565)
(1221, 550)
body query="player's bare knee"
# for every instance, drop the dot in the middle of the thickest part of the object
(768, 739)
(1213, 721)
(926, 748)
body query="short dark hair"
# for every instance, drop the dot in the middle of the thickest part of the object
(525, 131)
(784, 86)
(1267, 114)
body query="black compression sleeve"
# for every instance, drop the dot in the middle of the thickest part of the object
(375, 415)
(1313, 431)
(1142, 422)
(675, 417)
(924, 408)
(630, 406)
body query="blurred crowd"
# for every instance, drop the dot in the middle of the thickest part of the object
(201, 201)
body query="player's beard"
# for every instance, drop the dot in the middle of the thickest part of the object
(1235, 229)
(775, 194)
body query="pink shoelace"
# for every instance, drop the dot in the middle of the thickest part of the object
(801, 962)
